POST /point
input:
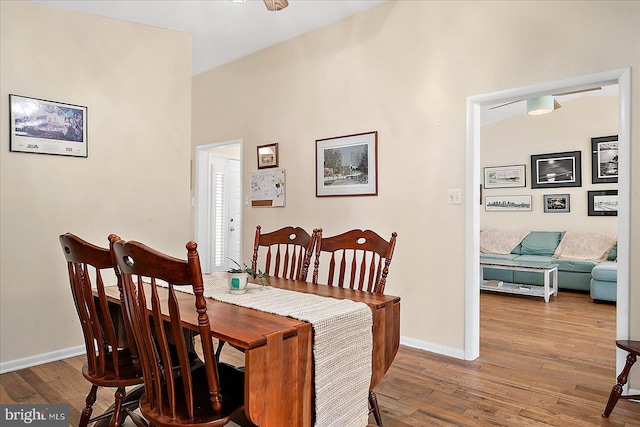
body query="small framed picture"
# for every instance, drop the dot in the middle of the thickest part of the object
(347, 165)
(603, 203)
(507, 203)
(505, 176)
(47, 127)
(604, 159)
(268, 156)
(556, 170)
(555, 203)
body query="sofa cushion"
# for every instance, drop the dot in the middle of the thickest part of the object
(578, 266)
(613, 254)
(507, 257)
(536, 258)
(541, 243)
(606, 271)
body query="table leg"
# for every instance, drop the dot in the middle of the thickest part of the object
(546, 285)
(555, 282)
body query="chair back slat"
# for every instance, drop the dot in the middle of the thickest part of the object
(362, 259)
(169, 385)
(292, 248)
(84, 262)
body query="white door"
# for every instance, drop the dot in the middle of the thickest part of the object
(224, 218)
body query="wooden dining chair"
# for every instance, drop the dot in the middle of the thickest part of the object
(633, 351)
(111, 361)
(287, 252)
(175, 393)
(358, 260)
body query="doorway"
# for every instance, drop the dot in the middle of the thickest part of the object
(218, 219)
(620, 77)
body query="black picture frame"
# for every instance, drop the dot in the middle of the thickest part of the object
(604, 160)
(557, 203)
(603, 203)
(556, 170)
(40, 126)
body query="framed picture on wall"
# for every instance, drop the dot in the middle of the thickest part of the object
(47, 127)
(556, 170)
(268, 156)
(507, 203)
(505, 176)
(603, 203)
(604, 159)
(347, 165)
(555, 203)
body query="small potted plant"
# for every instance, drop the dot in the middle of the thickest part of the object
(239, 277)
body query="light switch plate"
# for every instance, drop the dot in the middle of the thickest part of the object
(455, 196)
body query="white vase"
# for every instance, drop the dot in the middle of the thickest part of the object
(238, 282)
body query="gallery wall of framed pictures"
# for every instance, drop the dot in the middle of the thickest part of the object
(553, 171)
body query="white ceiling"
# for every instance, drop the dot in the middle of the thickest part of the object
(222, 30)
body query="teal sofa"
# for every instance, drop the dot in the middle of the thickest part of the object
(572, 274)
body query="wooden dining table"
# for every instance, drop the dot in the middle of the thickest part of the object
(278, 350)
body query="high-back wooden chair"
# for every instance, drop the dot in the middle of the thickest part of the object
(109, 362)
(287, 252)
(176, 394)
(358, 260)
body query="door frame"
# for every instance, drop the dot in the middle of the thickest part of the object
(621, 77)
(201, 194)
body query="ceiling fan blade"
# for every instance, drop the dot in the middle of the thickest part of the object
(578, 91)
(504, 105)
(274, 5)
(556, 104)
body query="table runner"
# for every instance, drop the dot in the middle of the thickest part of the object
(342, 344)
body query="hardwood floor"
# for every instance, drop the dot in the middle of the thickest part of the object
(540, 365)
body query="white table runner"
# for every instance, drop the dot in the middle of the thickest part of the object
(342, 345)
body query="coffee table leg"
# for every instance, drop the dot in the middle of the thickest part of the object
(546, 285)
(555, 282)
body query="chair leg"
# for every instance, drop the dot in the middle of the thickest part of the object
(88, 409)
(373, 402)
(616, 392)
(117, 407)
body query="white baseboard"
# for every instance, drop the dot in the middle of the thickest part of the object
(434, 348)
(39, 359)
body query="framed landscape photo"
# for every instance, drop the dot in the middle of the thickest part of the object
(603, 203)
(556, 170)
(604, 159)
(47, 127)
(507, 203)
(556, 203)
(505, 176)
(347, 165)
(268, 156)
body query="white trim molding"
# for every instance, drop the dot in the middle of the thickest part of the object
(39, 359)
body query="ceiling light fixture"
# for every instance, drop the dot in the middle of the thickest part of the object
(274, 5)
(541, 105)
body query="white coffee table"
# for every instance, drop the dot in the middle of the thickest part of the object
(548, 269)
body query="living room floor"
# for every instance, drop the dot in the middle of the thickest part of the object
(540, 365)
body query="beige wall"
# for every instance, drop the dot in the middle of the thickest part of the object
(405, 69)
(136, 82)
(570, 128)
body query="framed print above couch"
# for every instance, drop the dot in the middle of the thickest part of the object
(604, 160)
(556, 170)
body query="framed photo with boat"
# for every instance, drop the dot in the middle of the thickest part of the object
(556, 170)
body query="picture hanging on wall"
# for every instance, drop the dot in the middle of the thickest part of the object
(505, 176)
(507, 203)
(268, 156)
(604, 159)
(347, 165)
(603, 203)
(556, 203)
(556, 170)
(47, 127)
